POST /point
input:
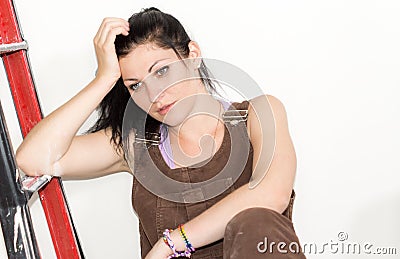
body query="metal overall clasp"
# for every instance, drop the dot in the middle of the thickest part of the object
(235, 116)
(150, 139)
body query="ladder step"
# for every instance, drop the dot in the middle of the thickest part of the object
(11, 47)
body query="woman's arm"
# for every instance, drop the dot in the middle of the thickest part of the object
(52, 146)
(272, 192)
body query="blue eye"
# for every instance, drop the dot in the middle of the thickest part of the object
(135, 86)
(162, 71)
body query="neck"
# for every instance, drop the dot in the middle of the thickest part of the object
(204, 119)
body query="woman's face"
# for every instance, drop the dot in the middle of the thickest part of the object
(160, 83)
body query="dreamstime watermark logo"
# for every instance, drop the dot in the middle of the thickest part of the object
(177, 85)
(339, 246)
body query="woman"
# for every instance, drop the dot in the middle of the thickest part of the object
(150, 59)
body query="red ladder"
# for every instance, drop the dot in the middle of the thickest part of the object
(14, 54)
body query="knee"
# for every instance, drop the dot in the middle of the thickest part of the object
(253, 215)
(251, 226)
(257, 219)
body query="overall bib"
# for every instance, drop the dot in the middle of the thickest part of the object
(156, 214)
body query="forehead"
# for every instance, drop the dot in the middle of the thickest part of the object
(143, 56)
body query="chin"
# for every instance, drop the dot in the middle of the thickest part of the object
(174, 118)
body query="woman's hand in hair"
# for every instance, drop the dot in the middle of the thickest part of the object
(108, 67)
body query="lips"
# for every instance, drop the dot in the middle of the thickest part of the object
(163, 110)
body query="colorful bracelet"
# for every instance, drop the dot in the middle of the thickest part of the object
(183, 234)
(179, 254)
(168, 241)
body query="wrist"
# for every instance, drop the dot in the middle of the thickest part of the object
(106, 82)
(178, 241)
(163, 248)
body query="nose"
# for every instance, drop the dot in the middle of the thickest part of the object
(155, 91)
(155, 95)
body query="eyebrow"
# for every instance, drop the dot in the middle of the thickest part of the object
(149, 70)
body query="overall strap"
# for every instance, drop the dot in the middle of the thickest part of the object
(236, 113)
(235, 116)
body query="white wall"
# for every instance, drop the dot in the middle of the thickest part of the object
(334, 64)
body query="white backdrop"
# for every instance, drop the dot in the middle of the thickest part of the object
(334, 64)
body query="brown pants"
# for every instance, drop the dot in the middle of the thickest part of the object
(261, 233)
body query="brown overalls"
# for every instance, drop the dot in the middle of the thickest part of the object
(156, 214)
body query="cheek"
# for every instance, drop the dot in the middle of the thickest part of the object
(143, 103)
(180, 90)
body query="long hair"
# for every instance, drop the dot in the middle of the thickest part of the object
(148, 26)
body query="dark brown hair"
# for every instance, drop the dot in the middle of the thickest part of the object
(148, 26)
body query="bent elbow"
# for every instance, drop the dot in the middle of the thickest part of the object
(282, 204)
(24, 164)
(32, 165)
(277, 204)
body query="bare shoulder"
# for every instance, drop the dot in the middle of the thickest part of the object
(266, 108)
(276, 105)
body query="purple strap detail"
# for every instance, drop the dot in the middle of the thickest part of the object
(165, 144)
(165, 147)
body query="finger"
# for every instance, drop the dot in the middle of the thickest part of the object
(106, 23)
(108, 20)
(111, 27)
(103, 23)
(111, 35)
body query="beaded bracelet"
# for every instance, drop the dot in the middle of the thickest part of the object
(168, 241)
(179, 254)
(183, 234)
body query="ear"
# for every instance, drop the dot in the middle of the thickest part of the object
(194, 50)
(194, 53)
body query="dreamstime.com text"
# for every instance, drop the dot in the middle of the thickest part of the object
(339, 246)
